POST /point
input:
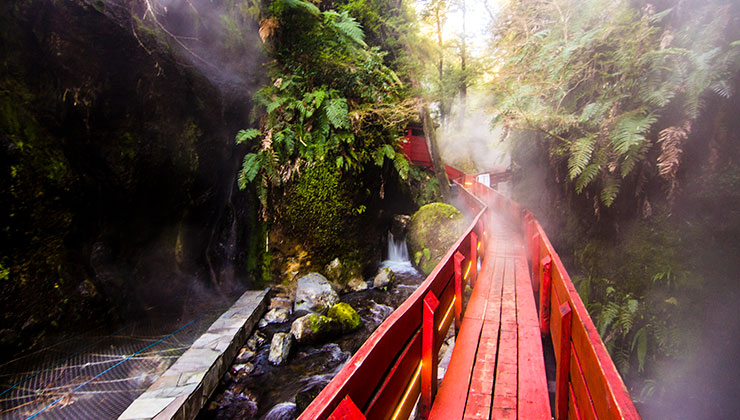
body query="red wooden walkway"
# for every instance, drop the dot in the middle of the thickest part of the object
(497, 367)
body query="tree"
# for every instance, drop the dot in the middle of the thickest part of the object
(608, 86)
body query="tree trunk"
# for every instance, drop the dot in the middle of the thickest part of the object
(431, 138)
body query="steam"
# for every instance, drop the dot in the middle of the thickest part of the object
(218, 39)
(468, 142)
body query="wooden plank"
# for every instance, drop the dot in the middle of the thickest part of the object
(481, 387)
(534, 401)
(386, 399)
(347, 410)
(583, 402)
(505, 388)
(562, 379)
(573, 412)
(450, 402)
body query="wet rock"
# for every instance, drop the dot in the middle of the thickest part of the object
(280, 348)
(333, 270)
(400, 224)
(245, 355)
(242, 369)
(346, 316)
(433, 229)
(313, 328)
(256, 341)
(277, 315)
(282, 411)
(357, 284)
(314, 293)
(236, 406)
(305, 396)
(383, 278)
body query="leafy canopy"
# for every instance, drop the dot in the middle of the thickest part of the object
(599, 79)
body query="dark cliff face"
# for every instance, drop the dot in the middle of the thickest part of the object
(118, 167)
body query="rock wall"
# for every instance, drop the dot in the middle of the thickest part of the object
(118, 163)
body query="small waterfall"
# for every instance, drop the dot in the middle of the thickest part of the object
(282, 411)
(397, 250)
(398, 256)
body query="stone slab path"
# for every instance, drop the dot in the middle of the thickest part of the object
(182, 390)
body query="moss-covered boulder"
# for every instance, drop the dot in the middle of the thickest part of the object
(314, 328)
(346, 316)
(434, 228)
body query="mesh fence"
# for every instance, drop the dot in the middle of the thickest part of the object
(97, 375)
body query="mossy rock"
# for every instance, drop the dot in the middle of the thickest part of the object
(434, 228)
(346, 316)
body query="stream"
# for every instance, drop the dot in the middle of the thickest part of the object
(282, 392)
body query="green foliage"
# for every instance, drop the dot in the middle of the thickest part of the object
(319, 209)
(636, 292)
(331, 100)
(598, 79)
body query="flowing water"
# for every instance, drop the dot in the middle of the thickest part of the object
(282, 392)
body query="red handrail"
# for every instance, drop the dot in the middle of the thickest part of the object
(396, 364)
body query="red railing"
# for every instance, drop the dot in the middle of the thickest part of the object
(588, 385)
(398, 363)
(385, 377)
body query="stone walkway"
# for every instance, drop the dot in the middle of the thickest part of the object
(182, 390)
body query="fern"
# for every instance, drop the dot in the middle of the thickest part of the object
(580, 155)
(347, 26)
(629, 132)
(587, 176)
(245, 135)
(401, 165)
(250, 167)
(336, 112)
(609, 190)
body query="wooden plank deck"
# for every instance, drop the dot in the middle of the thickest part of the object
(497, 369)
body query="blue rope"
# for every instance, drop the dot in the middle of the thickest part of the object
(112, 367)
(60, 362)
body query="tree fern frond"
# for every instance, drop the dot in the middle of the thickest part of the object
(587, 176)
(609, 190)
(629, 132)
(580, 155)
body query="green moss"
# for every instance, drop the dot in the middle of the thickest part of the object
(321, 324)
(346, 316)
(433, 229)
(319, 212)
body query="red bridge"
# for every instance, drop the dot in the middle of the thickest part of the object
(521, 297)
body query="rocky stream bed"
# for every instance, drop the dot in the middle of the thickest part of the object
(256, 388)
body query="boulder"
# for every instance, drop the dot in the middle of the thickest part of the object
(313, 328)
(357, 284)
(280, 348)
(333, 270)
(314, 294)
(433, 229)
(383, 278)
(346, 316)
(277, 315)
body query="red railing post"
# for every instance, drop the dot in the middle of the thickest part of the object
(346, 410)
(562, 378)
(473, 274)
(545, 290)
(535, 261)
(428, 354)
(458, 260)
